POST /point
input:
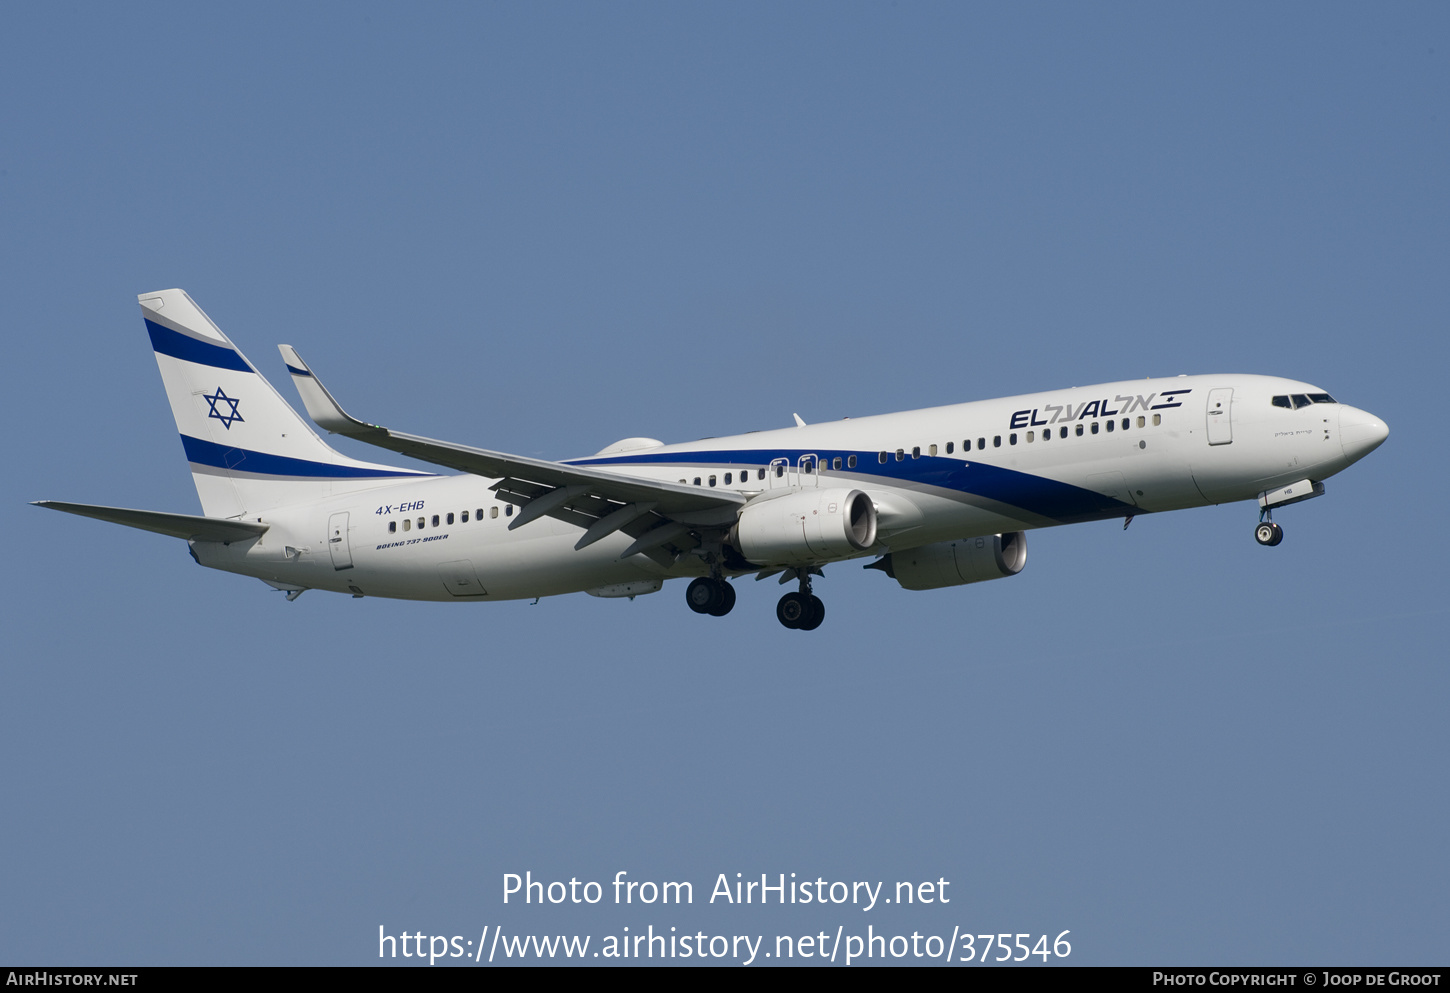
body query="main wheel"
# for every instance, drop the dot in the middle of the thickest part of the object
(1268, 533)
(703, 596)
(793, 609)
(727, 599)
(816, 615)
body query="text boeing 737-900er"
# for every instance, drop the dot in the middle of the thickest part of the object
(940, 497)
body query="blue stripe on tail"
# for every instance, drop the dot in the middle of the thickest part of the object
(180, 346)
(209, 453)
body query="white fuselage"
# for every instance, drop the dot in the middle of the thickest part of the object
(987, 467)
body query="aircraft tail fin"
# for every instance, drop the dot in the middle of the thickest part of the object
(249, 450)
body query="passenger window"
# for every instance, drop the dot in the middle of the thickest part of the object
(1110, 425)
(420, 523)
(1095, 427)
(1283, 401)
(478, 514)
(1030, 436)
(982, 443)
(900, 454)
(932, 450)
(949, 447)
(392, 527)
(1047, 435)
(1157, 419)
(916, 452)
(508, 510)
(435, 520)
(1064, 432)
(850, 461)
(697, 480)
(1126, 424)
(712, 480)
(407, 524)
(761, 474)
(463, 518)
(1012, 438)
(492, 511)
(1079, 430)
(1140, 420)
(779, 470)
(450, 518)
(997, 441)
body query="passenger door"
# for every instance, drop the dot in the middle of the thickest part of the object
(337, 542)
(1220, 416)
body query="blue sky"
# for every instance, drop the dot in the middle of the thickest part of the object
(541, 228)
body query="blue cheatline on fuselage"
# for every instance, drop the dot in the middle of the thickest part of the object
(182, 346)
(244, 460)
(1057, 501)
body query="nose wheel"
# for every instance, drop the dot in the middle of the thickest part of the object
(710, 596)
(1268, 533)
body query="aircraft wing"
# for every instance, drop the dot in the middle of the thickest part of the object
(655, 513)
(175, 525)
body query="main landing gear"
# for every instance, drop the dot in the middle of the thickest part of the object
(710, 596)
(801, 611)
(1268, 533)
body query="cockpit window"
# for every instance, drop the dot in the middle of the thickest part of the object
(1295, 400)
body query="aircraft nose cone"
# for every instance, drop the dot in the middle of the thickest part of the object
(1360, 432)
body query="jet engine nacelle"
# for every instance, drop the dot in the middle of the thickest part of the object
(806, 527)
(955, 563)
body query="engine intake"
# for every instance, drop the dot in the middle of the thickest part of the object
(806, 527)
(956, 563)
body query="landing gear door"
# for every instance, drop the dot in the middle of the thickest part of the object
(337, 542)
(1220, 416)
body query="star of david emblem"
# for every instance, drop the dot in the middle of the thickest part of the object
(227, 414)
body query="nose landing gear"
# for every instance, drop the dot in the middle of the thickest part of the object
(1268, 533)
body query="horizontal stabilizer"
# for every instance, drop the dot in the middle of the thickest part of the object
(175, 525)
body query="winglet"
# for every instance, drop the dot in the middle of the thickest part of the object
(798, 422)
(325, 411)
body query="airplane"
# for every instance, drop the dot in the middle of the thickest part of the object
(937, 497)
